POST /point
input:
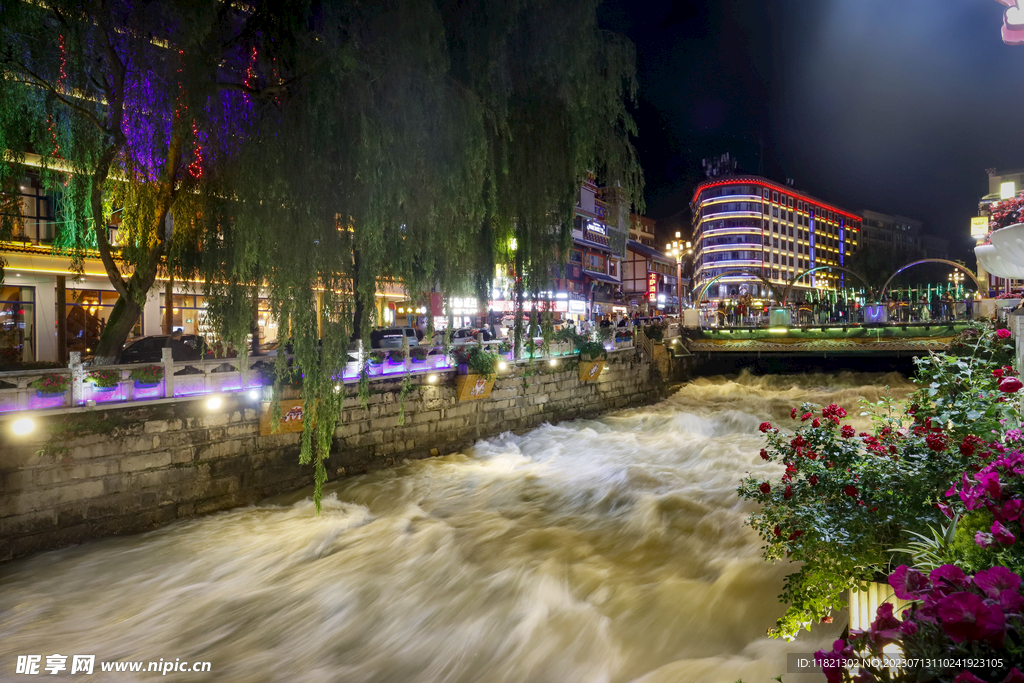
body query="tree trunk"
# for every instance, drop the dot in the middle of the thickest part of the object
(119, 325)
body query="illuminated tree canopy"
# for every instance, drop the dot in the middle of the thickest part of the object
(312, 151)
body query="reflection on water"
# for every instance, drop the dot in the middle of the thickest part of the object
(607, 550)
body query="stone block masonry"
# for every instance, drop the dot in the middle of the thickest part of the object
(124, 470)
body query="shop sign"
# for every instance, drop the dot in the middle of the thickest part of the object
(577, 307)
(509, 306)
(979, 226)
(652, 286)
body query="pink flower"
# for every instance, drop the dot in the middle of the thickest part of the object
(967, 677)
(988, 481)
(1010, 511)
(994, 581)
(847, 432)
(1003, 334)
(829, 661)
(1002, 534)
(1010, 385)
(885, 626)
(908, 584)
(765, 488)
(948, 577)
(965, 617)
(1015, 676)
(984, 540)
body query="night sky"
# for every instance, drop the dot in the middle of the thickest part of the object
(896, 106)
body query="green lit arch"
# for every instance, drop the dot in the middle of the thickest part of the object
(956, 265)
(730, 271)
(793, 281)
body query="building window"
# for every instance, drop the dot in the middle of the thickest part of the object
(575, 256)
(775, 197)
(17, 325)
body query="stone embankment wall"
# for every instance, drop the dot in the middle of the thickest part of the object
(116, 471)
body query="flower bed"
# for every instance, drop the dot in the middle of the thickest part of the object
(936, 486)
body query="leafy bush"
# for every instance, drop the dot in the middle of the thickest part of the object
(478, 360)
(52, 384)
(605, 333)
(655, 331)
(104, 378)
(147, 374)
(592, 349)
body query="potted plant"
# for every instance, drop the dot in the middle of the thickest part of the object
(397, 356)
(477, 370)
(505, 347)
(51, 385)
(590, 350)
(376, 358)
(147, 377)
(104, 381)
(418, 354)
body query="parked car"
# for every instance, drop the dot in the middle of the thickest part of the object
(462, 336)
(391, 337)
(150, 349)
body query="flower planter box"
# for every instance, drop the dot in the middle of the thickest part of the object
(146, 385)
(374, 369)
(103, 390)
(471, 387)
(50, 394)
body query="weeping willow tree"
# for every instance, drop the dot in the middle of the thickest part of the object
(128, 112)
(422, 142)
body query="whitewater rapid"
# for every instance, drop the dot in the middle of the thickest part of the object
(603, 551)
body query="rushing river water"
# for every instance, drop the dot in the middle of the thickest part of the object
(593, 551)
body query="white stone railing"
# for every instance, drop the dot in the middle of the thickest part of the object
(190, 379)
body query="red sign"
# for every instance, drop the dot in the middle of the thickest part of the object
(652, 286)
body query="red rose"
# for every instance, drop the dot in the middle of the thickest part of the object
(788, 493)
(998, 374)
(765, 426)
(936, 441)
(805, 417)
(1010, 385)
(764, 454)
(778, 530)
(850, 490)
(795, 535)
(792, 413)
(847, 432)
(765, 488)
(816, 423)
(813, 480)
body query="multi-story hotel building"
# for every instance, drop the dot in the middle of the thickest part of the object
(746, 228)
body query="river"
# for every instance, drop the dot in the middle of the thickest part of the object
(607, 550)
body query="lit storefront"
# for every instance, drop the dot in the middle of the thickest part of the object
(17, 325)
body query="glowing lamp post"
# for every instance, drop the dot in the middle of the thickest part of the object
(679, 249)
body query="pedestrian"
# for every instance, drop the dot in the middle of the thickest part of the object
(969, 307)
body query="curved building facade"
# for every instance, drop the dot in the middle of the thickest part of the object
(746, 228)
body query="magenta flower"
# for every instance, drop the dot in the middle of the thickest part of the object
(967, 677)
(885, 626)
(908, 584)
(948, 576)
(989, 483)
(1003, 334)
(1010, 385)
(828, 661)
(985, 540)
(1002, 534)
(965, 617)
(1015, 676)
(1010, 511)
(994, 581)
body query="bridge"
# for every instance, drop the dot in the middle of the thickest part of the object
(822, 341)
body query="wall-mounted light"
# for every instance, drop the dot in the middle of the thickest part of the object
(254, 394)
(213, 403)
(503, 366)
(23, 426)
(553, 362)
(431, 378)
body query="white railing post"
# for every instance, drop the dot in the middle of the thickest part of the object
(168, 361)
(77, 378)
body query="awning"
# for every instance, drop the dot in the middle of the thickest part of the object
(601, 276)
(590, 243)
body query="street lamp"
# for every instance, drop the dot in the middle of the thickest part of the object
(679, 249)
(956, 278)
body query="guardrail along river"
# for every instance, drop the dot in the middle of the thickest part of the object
(599, 551)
